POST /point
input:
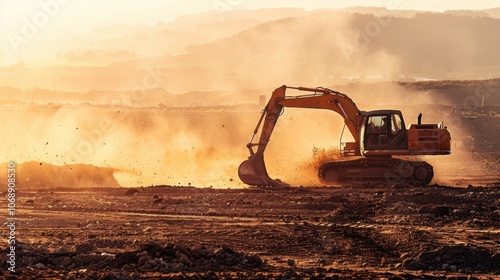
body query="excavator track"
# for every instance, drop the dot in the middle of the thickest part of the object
(391, 170)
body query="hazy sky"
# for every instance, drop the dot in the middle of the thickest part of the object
(56, 18)
(12, 11)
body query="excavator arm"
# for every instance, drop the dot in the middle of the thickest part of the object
(253, 170)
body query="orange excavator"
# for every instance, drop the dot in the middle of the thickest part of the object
(378, 136)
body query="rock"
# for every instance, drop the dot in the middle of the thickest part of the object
(440, 210)
(212, 212)
(435, 210)
(309, 271)
(290, 273)
(40, 266)
(62, 250)
(254, 259)
(181, 249)
(184, 259)
(148, 265)
(169, 251)
(126, 258)
(142, 254)
(228, 249)
(174, 257)
(108, 254)
(91, 259)
(83, 248)
(450, 258)
(179, 266)
(199, 250)
(131, 192)
(143, 260)
(445, 267)
(158, 201)
(66, 261)
(153, 249)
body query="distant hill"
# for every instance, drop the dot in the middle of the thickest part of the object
(262, 48)
(495, 12)
(331, 45)
(211, 18)
(456, 93)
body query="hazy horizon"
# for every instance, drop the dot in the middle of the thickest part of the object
(27, 26)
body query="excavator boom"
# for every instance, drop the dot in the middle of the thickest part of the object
(253, 170)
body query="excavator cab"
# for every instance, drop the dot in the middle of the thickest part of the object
(384, 130)
(383, 133)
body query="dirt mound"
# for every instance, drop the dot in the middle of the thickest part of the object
(149, 256)
(40, 175)
(456, 258)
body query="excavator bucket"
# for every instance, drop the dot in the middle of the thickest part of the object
(253, 172)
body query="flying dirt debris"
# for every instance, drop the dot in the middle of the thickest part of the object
(378, 135)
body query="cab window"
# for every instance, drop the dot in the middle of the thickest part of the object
(396, 126)
(377, 124)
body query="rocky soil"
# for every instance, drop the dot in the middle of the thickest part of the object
(366, 231)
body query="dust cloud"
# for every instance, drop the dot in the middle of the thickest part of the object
(136, 146)
(298, 133)
(473, 156)
(326, 47)
(140, 143)
(150, 146)
(130, 146)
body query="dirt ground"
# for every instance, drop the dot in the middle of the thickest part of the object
(367, 231)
